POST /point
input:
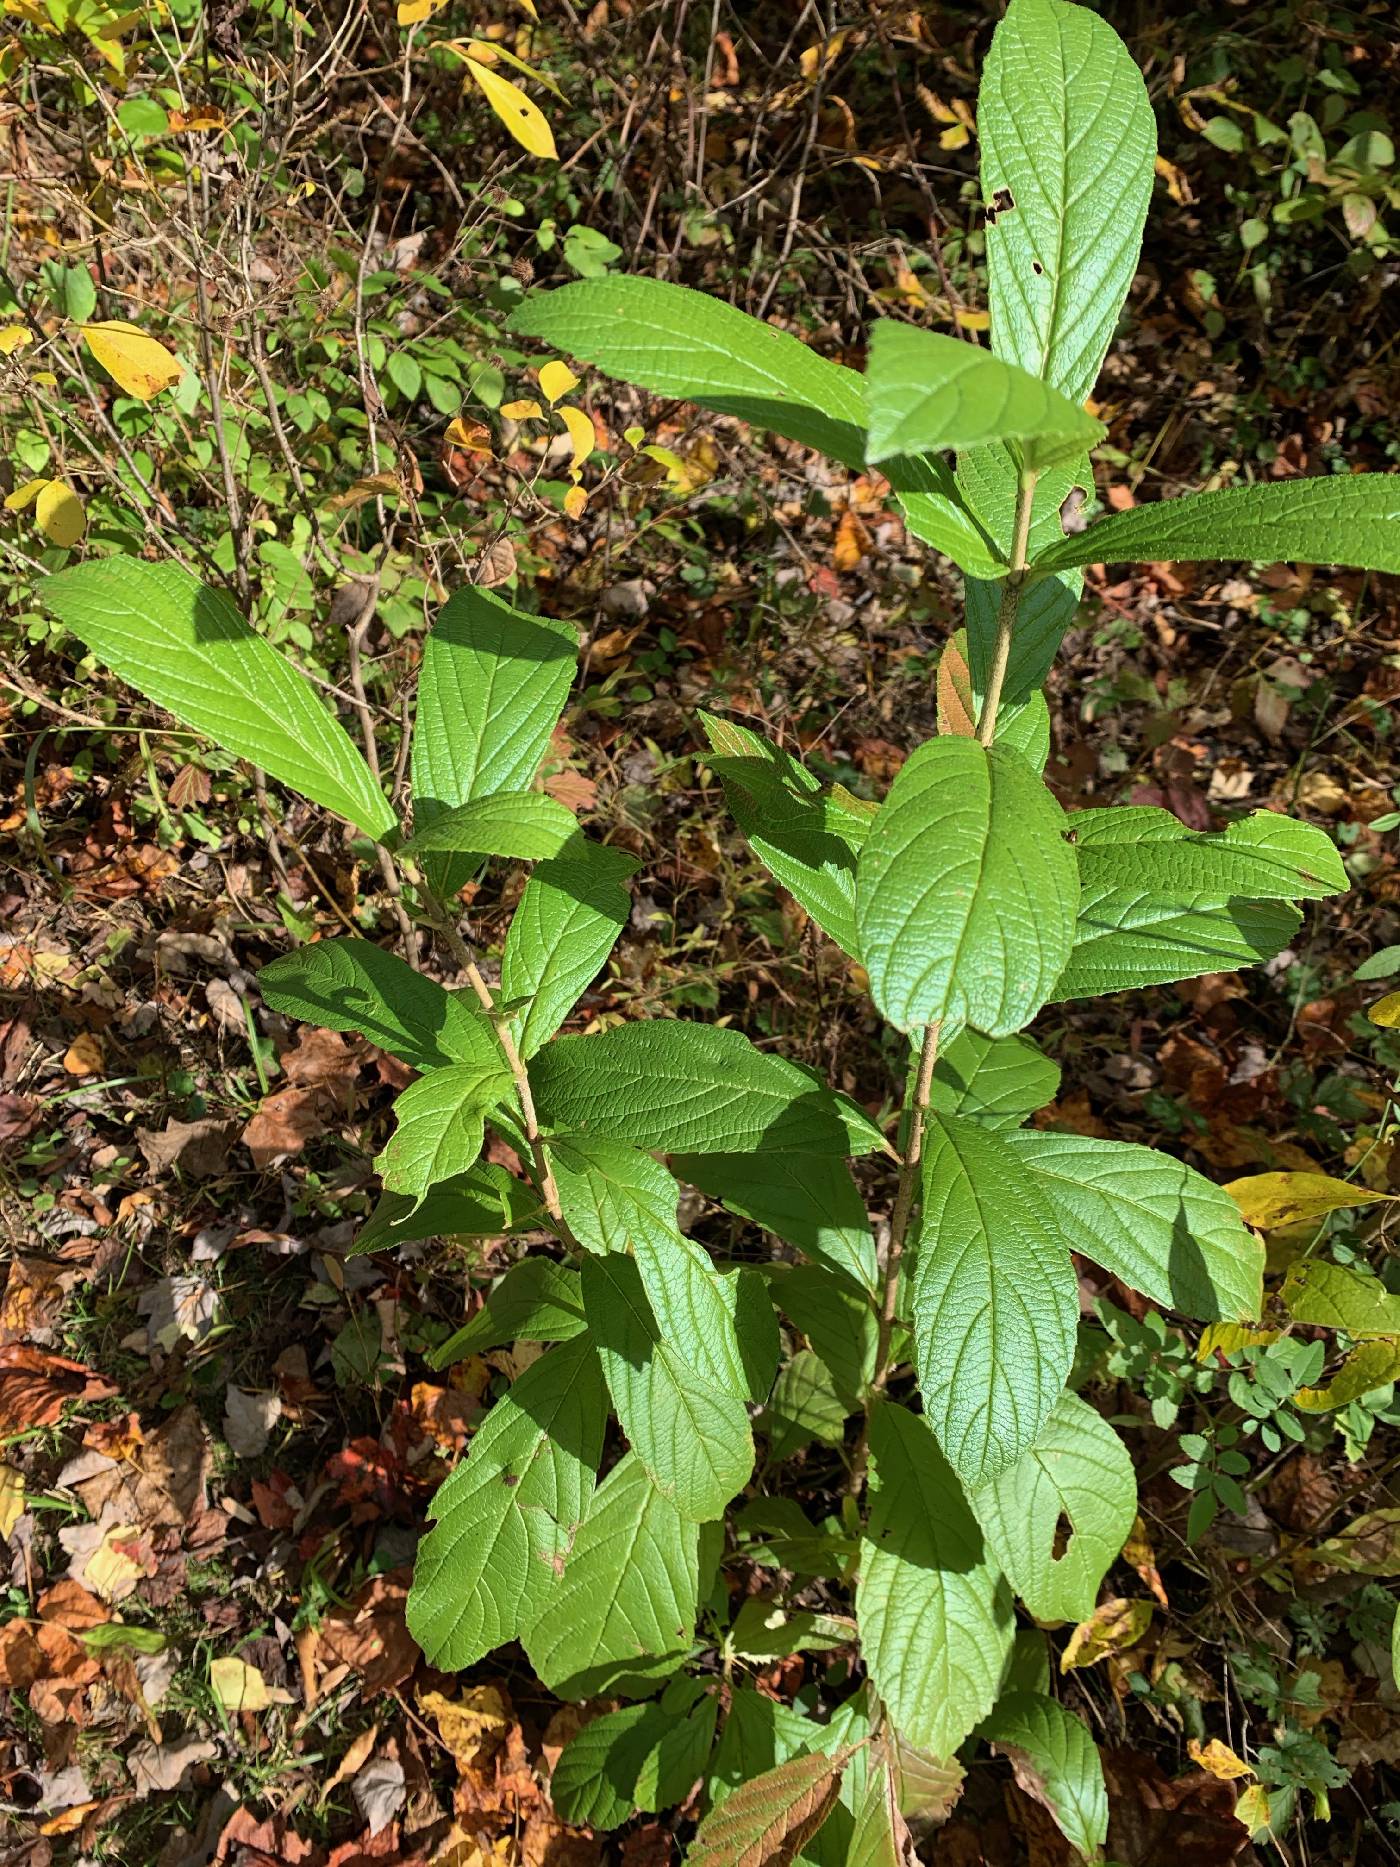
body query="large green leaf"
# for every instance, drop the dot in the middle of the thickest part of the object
(536, 1301)
(483, 1202)
(187, 648)
(678, 342)
(492, 685)
(524, 824)
(353, 985)
(506, 1516)
(690, 1430)
(1079, 1473)
(1332, 519)
(807, 839)
(994, 1297)
(622, 1614)
(441, 1126)
(1125, 938)
(966, 891)
(934, 1615)
(1045, 611)
(1333, 1296)
(1068, 143)
(1159, 1225)
(998, 1081)
(808, 1201)
(670, 1083)
(1264, 856)
(571, 912)
(612, 1193)
(1052, 1748)
(881, 1836)
(926, 391)
(645, 1756)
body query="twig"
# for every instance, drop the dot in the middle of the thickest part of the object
(916, 1106)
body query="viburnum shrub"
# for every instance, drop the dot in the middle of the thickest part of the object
(938, 1362)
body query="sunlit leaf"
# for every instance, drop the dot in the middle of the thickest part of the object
(521, 116)
(134, 361)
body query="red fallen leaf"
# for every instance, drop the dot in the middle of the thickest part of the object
(368, 1848)
(254, 1843)
(286, 1121)
(371, 1480)
(35, 1388)
(324, 1059)
(270, 1501)
(68, 1604)
(371, 1638)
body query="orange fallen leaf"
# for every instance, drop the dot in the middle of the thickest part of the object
(84, 1055)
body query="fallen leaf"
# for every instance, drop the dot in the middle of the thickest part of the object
(163, 1482)
(84, 1055)
(1114, 1627)
(198, 1148)
(379, 1792)
(371, 1637)
(471, 1726)
(35, 1388)
(1218, 1758)
(157, 1769)
(11, 1499)
(237, 1685)
(248, 1421)
(177, 1309)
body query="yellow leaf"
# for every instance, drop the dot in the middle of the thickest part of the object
(25, 495)
(1269, 1200)
(475, 436)
(487, 54)
(476, 1722)
(556, 379)
(522, 411)
(574, 502)
(202, 117)
(521, 116)
(1229, 1337)
(84, 1055)
(1218, 1758)
(1369, 1365)
(1113, 1627)
(14, 337)
(136, 362)
(412, 12)
(29, 11)
(969, 320)
(580, 428)
(238, 1686)
(529, 6)
(109, 1571)
(1386, 1011)
(60, 514)
(11, 1499)
(955, 138)
(372, 486)
(1253, 1809)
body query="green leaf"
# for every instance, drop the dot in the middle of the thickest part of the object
(506, 1516)
(440, 1126)
(966, 891)
(622, 1614)
(763, 1630)
(524, 824)
(1068, 143)
(492, 685)
(803, 838)
(1160, 1226)
(187, 649)
(1330, 1296)
(768, 1819)
(484, 1202)
(994, 1297)
(880, 1837)
(997, 1081)
(836, 1316)
(934, 1615)
(645, 1756)
(1052, 1750)
(352, 985)
(925, 391)
(612, 1193)
(690, 1430)
(571, 912)
(536, 1301)
(808, 1201)
(1125, 938)
(1024, 725)
(1332, 519)
(1077, 1472)
(1264, 856)
(1045, 612)
(804, 1405)
(669, 1083)
(678, 342)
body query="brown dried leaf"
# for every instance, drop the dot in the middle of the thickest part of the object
(768, 1820)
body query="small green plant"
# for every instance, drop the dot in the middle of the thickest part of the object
(935, 1364)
